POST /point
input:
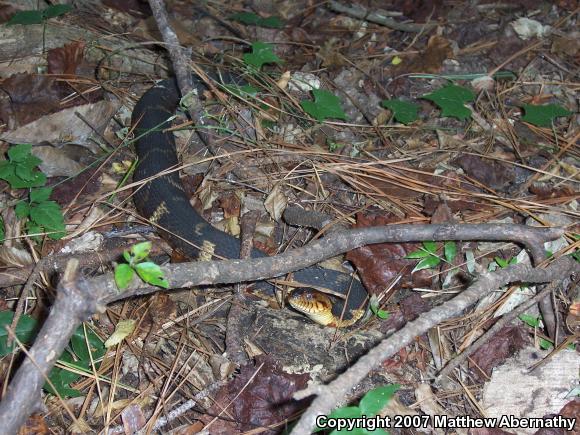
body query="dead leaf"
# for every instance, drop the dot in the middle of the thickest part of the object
(26, 97)
(66, 59)
(490, 173)
(378, 265)
(56, 163)
(276, 203)
(429, 60)
(262, 397)
(503, 345)
(35, 425)
(65, 126)
(282, 82)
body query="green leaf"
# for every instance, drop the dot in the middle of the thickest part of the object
(139, 252)
(19, 153)
(56, 10)
(430, 246)
(501, 262)
(273, 22)
(40, 195)
(250, 18)
(62, 378)
(376, 310)
(36, 179)
(32, 228)
(261, 53)
(6, 169)
(403, 111)
(22, 210)
(325, 105)
(96, 348)
(26, 329)
(381, 314)
(427, 263)
(246, 17)
(375, 400)
(20, 171)
(123, 276)
(543, 116)
(451, 100)
(49, 215)
(25, 171)
(152, 274)
(26, 17)
(415, 255)
(449, 250)
(532, 321)
(545, 344)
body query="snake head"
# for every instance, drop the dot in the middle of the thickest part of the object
(314, 304)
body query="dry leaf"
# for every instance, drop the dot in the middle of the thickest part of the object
(276, 203)
(65, 126)
(55, 162)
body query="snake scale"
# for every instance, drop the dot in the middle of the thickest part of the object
(162, 201)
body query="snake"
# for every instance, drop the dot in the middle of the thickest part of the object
(162, 200)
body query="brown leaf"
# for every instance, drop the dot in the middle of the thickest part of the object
(66, 59)
(261, 398)
(492, 174)
(35, 425)
(26, 97)
(572, 410)
(66, 126)
(56, 162)
(431, 59)
(231, 205)
(378, 265)
(503, 345)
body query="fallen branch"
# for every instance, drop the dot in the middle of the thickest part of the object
(329, 395)
(362, 13)
(77, 301)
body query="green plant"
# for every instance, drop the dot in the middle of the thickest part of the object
(369, 406)
(20, 170)
(39, 16)
(428, 255)
(250, 18)
(83, 350)
(451, 99)
(376, 308)
(403, 111)
(325, 105)
(543, 116)
(43, 215)
(148, 271)
(261, 54)
(504, 263)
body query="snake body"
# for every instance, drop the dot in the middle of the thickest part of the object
(162, 199)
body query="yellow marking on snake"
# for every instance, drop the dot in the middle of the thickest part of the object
(206, 252)
(159, 212)
(318, 307)
(174, 183)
